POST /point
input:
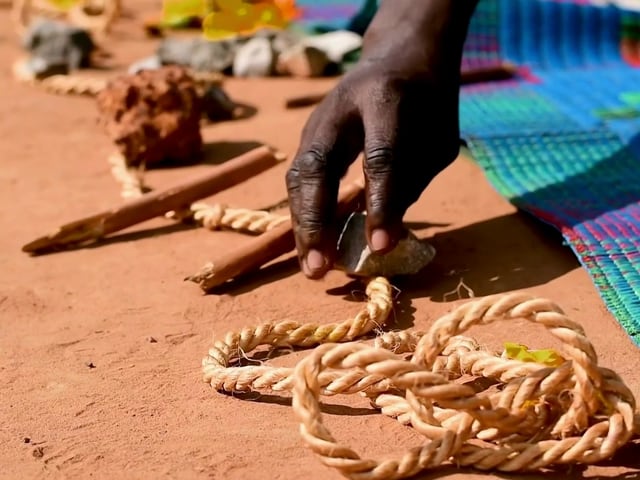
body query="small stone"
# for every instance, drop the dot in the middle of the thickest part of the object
(302, 61)
(217, 105)
(151, 340)
(56, 43)
(26, 440)
(355, 257)
(213, 56)
(90, 364)
(255, 58)
(335, 44)
(176, 51)
(199, 54)
(150, 63)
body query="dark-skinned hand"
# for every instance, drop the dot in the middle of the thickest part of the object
(399, 107)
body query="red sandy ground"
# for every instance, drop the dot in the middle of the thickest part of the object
(143, 411)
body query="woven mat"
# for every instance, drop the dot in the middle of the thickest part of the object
(563, 142)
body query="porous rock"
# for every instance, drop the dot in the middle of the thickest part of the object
(56, 47)
(354, 256)
(153, 116)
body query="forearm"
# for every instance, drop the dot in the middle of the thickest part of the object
(432, 30)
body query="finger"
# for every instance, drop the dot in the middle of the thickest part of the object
(329, 145)
(381, 170)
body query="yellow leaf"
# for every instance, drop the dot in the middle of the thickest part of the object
(548, 357)
(63, 4)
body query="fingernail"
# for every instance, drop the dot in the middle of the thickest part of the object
(379, 239)
(315, 260)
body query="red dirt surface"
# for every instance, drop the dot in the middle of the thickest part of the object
(86, 393)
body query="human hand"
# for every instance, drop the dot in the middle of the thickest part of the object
(407, 126)
(399, 106)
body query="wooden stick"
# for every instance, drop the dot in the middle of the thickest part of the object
(157, 203)
(502, 71)
(260, 250)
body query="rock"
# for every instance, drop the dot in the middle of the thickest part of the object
(335, 44)
(302, 61)
(217, 105)
(255, 58)
(56, 46)
(210, 56)
(153, 116)
(355, 257)
(149, 63)
(199, 54)
(176, 51)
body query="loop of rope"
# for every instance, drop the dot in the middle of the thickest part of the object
(233, 346)
(88, 85)
(533, 416)
(218, 216)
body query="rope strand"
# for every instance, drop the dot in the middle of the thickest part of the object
(534, 417)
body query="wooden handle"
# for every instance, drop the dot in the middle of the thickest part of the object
(158, 203)
(260, 250)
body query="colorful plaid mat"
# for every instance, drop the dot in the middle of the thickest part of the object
(563, 141)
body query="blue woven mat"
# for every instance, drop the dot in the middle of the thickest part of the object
(564, 144)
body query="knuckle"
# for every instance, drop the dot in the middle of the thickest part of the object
(309, 229)
(311, 164)
(292, 178)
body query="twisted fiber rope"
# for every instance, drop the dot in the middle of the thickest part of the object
(533, 417)
(90, 85)
(211, 216)
(59, 84)
(233, 346)
(218, 216)
(541, 416)
(130, 179)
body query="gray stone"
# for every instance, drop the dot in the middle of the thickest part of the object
(200, 54)
(335, 44)
(354, 256)
(213, 56)
(149, 63)
(255, 58)
(176, 51)
(55, 46)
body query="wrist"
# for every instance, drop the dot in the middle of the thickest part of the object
(431, 32)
